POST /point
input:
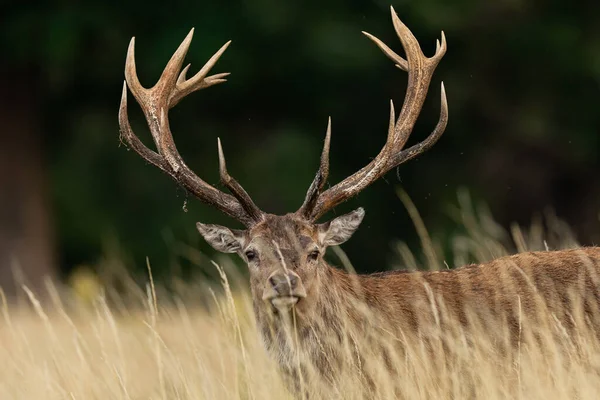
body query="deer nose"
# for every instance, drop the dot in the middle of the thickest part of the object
(284, 284)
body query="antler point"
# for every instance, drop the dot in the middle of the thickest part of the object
(222, 164)
(123, 105)
(221, 154)
(392, 105)
(131, 48)
(443, 93)
(394, 14)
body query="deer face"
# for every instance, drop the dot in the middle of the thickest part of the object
(284, 255)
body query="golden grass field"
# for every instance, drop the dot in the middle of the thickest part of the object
(161, 347)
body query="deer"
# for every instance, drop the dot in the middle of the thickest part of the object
(330, 309)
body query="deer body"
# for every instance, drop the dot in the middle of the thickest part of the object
(315, 317)
(505, 293)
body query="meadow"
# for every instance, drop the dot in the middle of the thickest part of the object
(88, 342)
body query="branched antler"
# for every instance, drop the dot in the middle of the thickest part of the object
(420, 71)
(174, 86)
(155, 103)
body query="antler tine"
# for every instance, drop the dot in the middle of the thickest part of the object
(183, 75)
(168, 79)
(398, 60)
(237, 189)
(420, 71)
(155, 103)
(419, 77)
(199, 81)
(433, 137)
(132, 140)
(131, 73)
(320, 178)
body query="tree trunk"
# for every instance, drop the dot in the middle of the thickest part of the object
(26, 242)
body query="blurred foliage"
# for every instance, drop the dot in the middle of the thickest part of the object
(522, 79)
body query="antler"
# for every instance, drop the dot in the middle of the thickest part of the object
(420, 70)
(155, 103)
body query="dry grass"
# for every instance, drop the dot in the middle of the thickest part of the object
(176, 350)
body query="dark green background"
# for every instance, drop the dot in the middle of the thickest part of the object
(522, 79)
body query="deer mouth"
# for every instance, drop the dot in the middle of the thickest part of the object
(285, 303)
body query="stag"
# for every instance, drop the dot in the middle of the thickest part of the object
(330, 309)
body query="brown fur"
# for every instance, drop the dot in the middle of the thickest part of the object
(345, 310)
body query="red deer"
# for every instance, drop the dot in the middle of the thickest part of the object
(332, 310)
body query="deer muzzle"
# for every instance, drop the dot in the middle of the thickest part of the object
(283, 290)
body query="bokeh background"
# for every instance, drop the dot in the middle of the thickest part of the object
(522, 78)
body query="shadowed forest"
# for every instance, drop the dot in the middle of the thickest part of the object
(522, 81)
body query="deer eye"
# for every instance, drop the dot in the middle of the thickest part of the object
(313, 255)
(251, 255)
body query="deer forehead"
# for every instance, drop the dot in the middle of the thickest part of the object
(283, 232)
(282, 242)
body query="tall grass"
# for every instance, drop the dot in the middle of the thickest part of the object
(168, 347)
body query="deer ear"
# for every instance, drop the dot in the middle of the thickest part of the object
(221, 238)
(338, 230)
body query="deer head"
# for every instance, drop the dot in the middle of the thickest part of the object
(283, 253)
